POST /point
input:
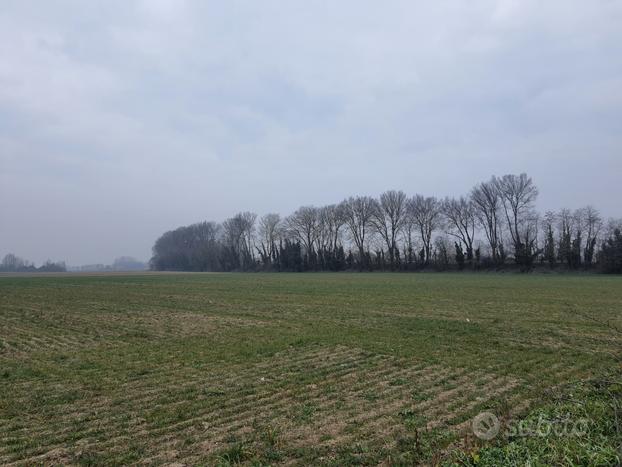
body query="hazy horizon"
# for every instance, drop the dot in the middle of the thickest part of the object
(122, 120)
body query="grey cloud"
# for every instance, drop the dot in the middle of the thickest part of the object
(120, 120)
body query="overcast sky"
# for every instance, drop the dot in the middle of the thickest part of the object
(120, 120)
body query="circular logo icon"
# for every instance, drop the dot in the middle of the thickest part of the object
(486, 426)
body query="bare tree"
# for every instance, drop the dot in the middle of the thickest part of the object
(487, 204)
(518, 194)
(11, 262)
(426, 213)
(331, 220)
(409, 230)
(549, 220)
(441, 255)
(567, 222)
(238, 236)
(593, 223)
(358, 214)
(612, 225)
(388, 220)
(268, 233)
(303, 225)
(460, 215)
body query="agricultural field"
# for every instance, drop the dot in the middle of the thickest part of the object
(296, 369)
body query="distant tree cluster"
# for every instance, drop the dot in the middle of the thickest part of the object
(128, 263)
(120, 264)
(13, 263)
(494, 226)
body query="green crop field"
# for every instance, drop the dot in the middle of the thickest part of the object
(268, 369)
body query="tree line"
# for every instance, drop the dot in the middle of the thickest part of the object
(494, 226)
(13, 263)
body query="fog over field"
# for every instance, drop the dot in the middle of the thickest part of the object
(121, 120)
